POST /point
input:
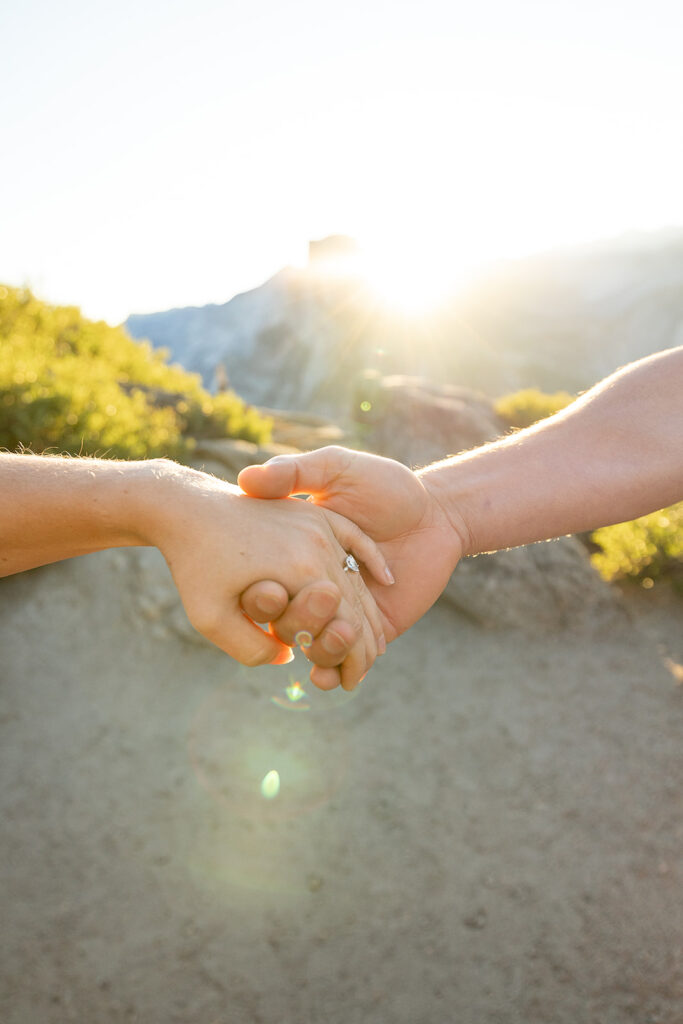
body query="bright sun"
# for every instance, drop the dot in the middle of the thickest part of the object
(414, 282)
(410, 278)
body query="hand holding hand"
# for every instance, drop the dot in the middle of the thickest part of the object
(219, 543)
(392, 505)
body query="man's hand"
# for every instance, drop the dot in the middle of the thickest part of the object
(391, 505)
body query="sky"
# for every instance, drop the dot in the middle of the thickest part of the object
(158, 154)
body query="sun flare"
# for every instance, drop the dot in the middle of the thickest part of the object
(413, 282)
(412, 277)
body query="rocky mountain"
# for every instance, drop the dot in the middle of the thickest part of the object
(296, 342)
(560, 320)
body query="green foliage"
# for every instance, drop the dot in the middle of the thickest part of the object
(72, 385)
(647, 548)
(522, 408)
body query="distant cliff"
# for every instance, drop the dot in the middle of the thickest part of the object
(558, 320)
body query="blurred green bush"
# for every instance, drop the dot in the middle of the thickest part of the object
(648, 548)
(523, 408)
(75, 386)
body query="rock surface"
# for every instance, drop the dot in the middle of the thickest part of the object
(488, 830)
(417, 422)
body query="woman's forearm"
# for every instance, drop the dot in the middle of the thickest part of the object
(55, 508)
(218, 544)
(614, 454)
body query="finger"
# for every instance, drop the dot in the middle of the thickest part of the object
(334, 643)
(310, 473)
(325, 678)
(264, 601)
(354, 667)
(357, 543)
(360, 610)
(363, 653)
(325, 641)
(308, 613)
(343, 651)
(367, 610)
(348, 675)
(231, 630)
(360, 660)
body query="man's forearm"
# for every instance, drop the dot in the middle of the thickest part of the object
(55, 508)
(614, 454)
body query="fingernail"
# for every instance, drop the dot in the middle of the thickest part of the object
(284, 657)
(382, 644)
(333, 643)
(268, 605)
(389, 575)
(320, 604)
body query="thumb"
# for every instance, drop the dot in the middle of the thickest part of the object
(311, 473)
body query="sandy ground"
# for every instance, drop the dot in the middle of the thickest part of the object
(489, 832)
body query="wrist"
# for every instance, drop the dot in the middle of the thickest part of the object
(166, 500)
(128, 497)
(437, 483)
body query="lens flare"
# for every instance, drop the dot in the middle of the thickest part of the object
(293, 697)
(303, 638)
(270, 784)
(264, 765)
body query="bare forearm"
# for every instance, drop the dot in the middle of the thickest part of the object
(55, 508)
(614, 454)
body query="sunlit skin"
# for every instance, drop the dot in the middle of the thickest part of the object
(612, 455)
(217, 544)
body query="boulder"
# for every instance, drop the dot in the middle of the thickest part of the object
(540, 586)
(417, 422)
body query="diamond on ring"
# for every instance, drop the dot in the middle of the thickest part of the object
(351, 563)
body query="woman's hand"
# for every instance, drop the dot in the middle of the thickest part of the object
(218, 543)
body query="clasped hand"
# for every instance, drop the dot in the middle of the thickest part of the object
(393, 507)
(219, 543)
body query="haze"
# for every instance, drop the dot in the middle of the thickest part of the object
(167, 154)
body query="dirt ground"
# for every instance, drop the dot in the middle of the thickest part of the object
(490, 831)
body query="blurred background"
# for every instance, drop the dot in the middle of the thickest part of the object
(175, 154)
(230, 231)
